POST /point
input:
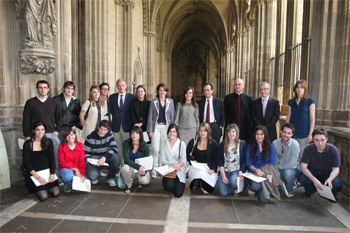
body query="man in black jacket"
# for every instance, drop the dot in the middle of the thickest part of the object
(69, 107)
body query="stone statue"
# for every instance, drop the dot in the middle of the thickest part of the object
(40, 22)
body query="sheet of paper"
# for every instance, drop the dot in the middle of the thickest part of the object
(94, 162)
(254, 177)
(200, 166)
(164, 170)
(79, 186)
(20, 143)
(240, 185)
(145, 137)
(326, 192)
(44, 174)
(147, 162)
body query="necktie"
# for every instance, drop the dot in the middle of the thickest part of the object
(264, 107)
(208, 113)
(121, 104)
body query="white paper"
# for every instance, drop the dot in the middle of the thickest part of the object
(164, 170)
(145, 137)
(147, 162)
(253, 177)
(240, 185)
(20, 143)
(326, 192)
(94, 162)
(79, 186)
(45, 174)
(200, 166)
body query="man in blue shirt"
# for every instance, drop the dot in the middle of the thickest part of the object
(287, 150)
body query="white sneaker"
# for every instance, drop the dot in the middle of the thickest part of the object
(111, 182)
(94, 181)
(154, 174)
(286, 191)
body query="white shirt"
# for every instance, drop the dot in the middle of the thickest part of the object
(267, 99)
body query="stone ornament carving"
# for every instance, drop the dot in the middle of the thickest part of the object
(126, 3)
(39, 30)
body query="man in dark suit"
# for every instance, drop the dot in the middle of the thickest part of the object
(215, 114)
(119, 105)
(237, 107)
(266, 110)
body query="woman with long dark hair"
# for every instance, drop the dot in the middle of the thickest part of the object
(231, 160)
(37, 156)
(71, 158)
(187, 115)
(139, 108)
(203, 150)
(259, 153)
(173, 153)
(301, 113)
(95, 109)
(135, 148)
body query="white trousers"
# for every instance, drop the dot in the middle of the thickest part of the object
(159, 137)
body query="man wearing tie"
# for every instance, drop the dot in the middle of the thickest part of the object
(237, 108)
(214, 114)
(119, 105)
(266, 110)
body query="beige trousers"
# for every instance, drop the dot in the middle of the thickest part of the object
(129, 174)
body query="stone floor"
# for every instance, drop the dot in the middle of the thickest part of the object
(150, 209)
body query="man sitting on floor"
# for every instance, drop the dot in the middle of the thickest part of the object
(101, 145)
(288, 151)
(320, 164)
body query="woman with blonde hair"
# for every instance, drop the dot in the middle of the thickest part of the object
(92, 112)
(232, 160)
(301, 113)
(203, 150)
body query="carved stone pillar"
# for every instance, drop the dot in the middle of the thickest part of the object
(124, 39)
(37, 55)
(149, 63)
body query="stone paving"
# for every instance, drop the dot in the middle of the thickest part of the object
(150, 209)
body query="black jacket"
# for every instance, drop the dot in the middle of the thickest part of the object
(70, 114)
(212, 153)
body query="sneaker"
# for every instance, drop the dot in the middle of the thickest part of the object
(154, 174)
(291, 194)
(67, 188)
(94, 181)
(111, 182)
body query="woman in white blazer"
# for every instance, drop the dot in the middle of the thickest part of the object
(160, 116)
(173, 153)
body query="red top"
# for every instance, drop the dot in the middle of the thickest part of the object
(69, 158)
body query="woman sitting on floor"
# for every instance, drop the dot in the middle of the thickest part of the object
(134, 148)
(259, 153)
(37, 156)
(173, 153)
(71, 158)
(231, 160)
(203, 150)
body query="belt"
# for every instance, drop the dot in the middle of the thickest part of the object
(161, 123)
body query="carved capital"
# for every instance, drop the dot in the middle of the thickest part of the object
(149, 34)
(125, 3)
(36, 61)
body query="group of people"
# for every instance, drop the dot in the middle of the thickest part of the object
(62, 136)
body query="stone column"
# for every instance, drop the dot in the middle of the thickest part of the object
(149, 63)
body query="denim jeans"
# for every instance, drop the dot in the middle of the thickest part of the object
(288, 176)
(257, 187)
(94, 172)
(56, 144)
(322, 176)
(66, 175)
(225, 189)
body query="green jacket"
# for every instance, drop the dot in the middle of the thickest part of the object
(126, 151)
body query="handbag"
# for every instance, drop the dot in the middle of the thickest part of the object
(172, 175)
(120, 179)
